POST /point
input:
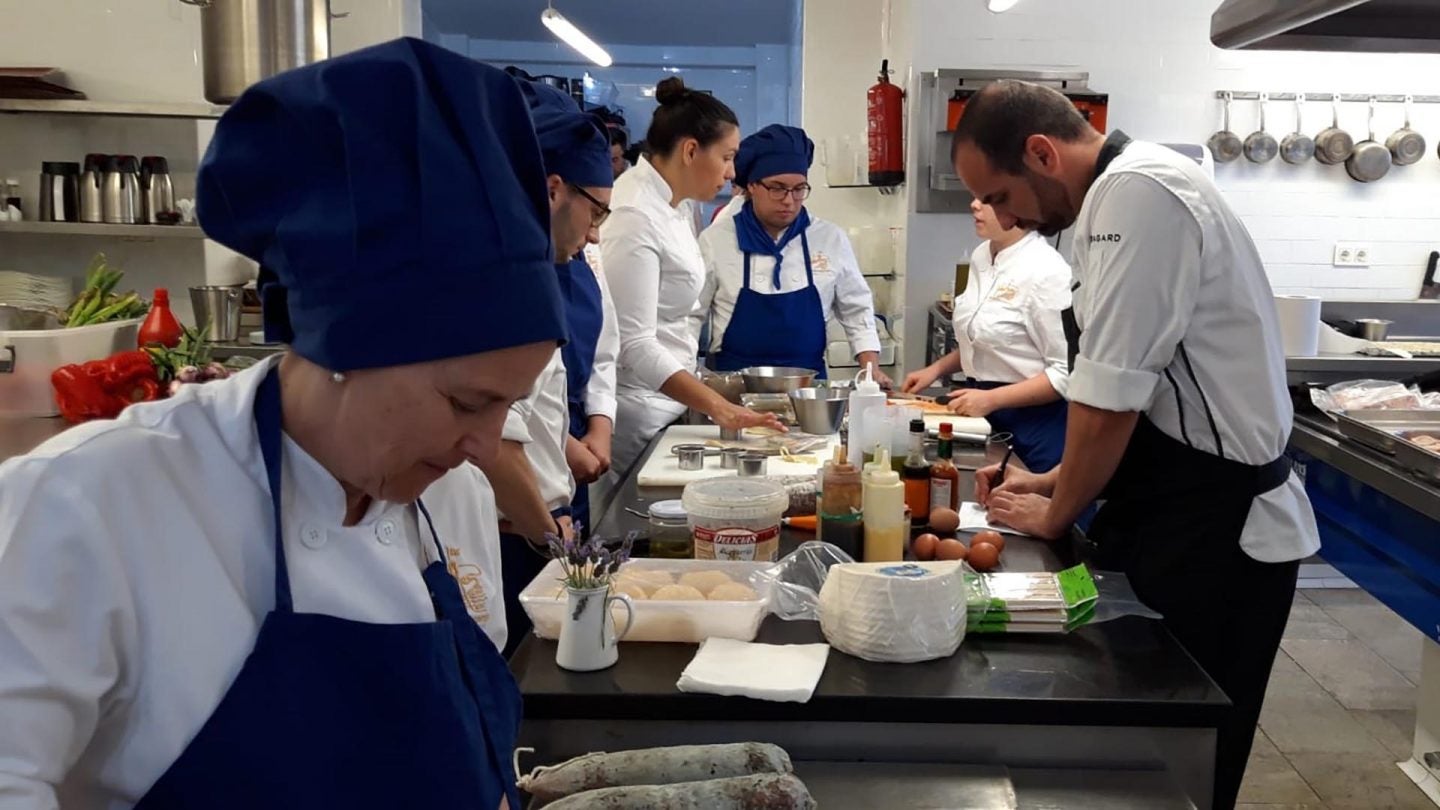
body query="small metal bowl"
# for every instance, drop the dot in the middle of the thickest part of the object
(730, 458)
(1373, 328)
(819, 411)
(752, 465)
(691, 456)
(776, 379)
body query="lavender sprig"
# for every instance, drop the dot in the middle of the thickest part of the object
(589, 564)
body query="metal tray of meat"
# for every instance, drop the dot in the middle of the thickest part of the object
(1383, 429)
(1419, 450)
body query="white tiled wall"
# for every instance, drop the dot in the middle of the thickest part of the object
(1156, 62)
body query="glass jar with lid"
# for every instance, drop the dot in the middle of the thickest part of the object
(670, 531)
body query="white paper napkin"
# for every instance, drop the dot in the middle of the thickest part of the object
(785, 673)
(974, 518)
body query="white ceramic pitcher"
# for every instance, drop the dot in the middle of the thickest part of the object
(588, 641)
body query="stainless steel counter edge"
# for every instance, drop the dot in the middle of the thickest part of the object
(1316, 436)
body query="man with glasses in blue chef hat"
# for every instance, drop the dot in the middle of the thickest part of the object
(775, 275)
(559, 435)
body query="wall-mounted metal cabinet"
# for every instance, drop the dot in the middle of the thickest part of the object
(939, 189)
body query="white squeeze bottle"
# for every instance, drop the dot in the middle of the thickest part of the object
(883, 505)
(866, 395)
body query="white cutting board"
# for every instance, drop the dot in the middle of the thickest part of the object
(968, 425)
(662, 469)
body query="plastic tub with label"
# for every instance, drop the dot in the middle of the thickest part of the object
(736, 518)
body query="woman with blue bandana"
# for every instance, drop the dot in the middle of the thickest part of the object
(775, 276)
(267, 592)
(559, 435)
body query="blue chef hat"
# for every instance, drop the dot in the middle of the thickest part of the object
(776, 149)
(573, 143)
(395, 200)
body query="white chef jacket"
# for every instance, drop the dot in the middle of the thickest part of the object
(541, 422)
(600, 388)
(844, 295)
(1007, 321)
(1165, 271)
(731, 209)
(655, 271)
(137, 564)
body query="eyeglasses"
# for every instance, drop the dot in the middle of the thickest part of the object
(778, 193)
(601, 212)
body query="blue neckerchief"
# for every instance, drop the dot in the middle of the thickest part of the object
(753, 237)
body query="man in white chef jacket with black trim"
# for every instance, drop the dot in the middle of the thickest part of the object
(774, 275)
(1179, 413)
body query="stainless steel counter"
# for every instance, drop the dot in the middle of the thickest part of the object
(19, 435)
(1318, 436)
(1332, 368)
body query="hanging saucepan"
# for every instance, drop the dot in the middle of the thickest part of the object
(1297, 146)
(1333, 144)
(1260, 146)
(1405, 144)
(1225, 145)
(1371, 160)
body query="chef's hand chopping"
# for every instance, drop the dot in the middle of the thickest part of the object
(734, 417)
(972, 402)
(1017, 482)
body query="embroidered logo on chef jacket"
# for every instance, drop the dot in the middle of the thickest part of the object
(819, 262)
(1005, 292)
(472, 584)
(1104, 237)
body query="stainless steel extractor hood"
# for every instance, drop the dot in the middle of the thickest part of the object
(1374, 26)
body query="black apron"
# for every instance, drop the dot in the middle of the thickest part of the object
(1171, 519)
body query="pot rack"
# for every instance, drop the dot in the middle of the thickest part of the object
(1251, 95)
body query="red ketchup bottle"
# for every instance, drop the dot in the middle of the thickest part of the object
(160, 327)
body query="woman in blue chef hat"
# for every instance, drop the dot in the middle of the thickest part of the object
(238, 597)
(559, 435)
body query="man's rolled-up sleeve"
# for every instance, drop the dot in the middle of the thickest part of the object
(1139, 280)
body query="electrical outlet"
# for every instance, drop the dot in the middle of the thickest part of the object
(1352, 254)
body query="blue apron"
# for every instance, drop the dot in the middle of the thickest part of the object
(329, 712)
(779, 329)
(1039, 430)
(585, 315)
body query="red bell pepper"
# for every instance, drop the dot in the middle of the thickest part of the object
(100, 389)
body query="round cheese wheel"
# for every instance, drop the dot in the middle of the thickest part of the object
(733, 592)
(677, 593)
(705, 581)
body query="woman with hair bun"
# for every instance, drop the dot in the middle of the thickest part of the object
(653, 266)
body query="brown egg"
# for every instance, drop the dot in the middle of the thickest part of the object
(924, 546)
(951, 549)
(995, 539)
(983, 556)
(944, 521)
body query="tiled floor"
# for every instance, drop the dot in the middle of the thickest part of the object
(1340, 711)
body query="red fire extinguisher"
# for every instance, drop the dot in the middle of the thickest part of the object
(884, 119)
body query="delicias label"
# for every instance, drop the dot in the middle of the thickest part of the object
(737, 544)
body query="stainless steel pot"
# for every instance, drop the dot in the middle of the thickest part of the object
(1371, 160)
(1260, 146)
(244, 41)
(1225, 145)
(1333, 144)
(217, 310)
(1405, 144)
(1297, 147)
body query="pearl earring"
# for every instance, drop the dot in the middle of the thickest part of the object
(338, 377)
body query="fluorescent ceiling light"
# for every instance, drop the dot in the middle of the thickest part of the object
(999, 6)
(574, 37)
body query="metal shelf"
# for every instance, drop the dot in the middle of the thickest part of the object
(104, 229)
(1390, 98)
(136, 109)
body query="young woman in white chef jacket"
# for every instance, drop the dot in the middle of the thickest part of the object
(655, 271)
(1009, 340)
(268, 591)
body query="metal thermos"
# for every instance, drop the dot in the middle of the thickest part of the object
(92, 189)
(120, 201)
(157, 198)
(59, 191)
(244, 41)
